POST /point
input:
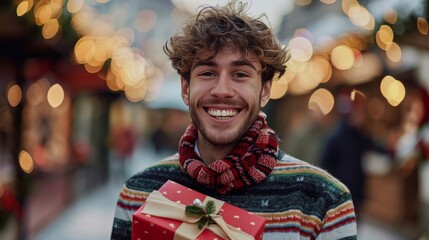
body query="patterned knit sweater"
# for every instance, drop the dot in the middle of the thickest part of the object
(299, 201)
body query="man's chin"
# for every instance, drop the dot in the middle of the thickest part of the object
(218, 141)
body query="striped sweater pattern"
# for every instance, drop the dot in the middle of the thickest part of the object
(299, 201)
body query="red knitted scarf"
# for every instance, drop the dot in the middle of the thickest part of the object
(249, 163)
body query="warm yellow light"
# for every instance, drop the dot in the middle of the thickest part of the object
(101, 54)
(342, 57)
(390, 15)
(57, 2)
(55, 95)
(111, 81)
(379, 42)
(57, 8)
(83, 49)
(393, 52)
(14, 95)
(295, 66)
(356, 92)
(359, 15)
(93, 68)
(74, 6)
(386, 34)
(81, 22)
(121, 57)
(393, 90)
(305, 81)
(42, 13)
(347, 5)
(278, 88)
(422, 25)
(24, 7)
(396, 93)
(300, 49)
(312, 76)
(321, 100)
(324, 68)
(385, 83)
(26, 162)
(136, 93)
(50, 29)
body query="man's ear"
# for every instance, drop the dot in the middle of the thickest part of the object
(265, 93)
(185, 90)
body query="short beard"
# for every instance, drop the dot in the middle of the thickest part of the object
(230, 140)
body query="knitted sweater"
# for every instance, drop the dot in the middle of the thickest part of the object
(299, 201)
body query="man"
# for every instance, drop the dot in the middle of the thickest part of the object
(227, 61)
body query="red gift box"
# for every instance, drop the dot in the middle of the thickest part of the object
(148, 224)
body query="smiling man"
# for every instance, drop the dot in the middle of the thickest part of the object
(227, 61)
(224, 94)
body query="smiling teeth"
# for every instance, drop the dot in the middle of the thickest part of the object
(222, 113)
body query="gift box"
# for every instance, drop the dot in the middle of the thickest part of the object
(163, 216)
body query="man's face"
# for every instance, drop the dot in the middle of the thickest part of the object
(224, 96)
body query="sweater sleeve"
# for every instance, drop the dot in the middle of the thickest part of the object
(128, 202)
(121, 228)
(340, 220)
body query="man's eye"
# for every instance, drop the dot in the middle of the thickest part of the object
(240, 74)
(207, 74)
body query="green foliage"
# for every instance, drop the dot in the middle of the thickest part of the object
(194, 211)
(202, 213)
(210, 207)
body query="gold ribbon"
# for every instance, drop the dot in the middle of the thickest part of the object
(158, 205)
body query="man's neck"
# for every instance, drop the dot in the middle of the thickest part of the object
(210, 153)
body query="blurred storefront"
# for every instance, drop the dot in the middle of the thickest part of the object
(53, 127)
(388, 43)
(64, 128)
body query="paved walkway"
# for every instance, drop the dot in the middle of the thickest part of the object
(89, 218)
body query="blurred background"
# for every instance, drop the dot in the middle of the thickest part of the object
(88, 98)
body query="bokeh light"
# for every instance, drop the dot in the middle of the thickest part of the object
(342, 57)
(26, 162)
(393, 52)
(55, 95)
(393, 90)
(422, 25)
(14, 95)
(300, 49)
(321, 100)
(24, 7)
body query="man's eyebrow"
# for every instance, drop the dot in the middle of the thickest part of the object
(243, 62)
(204, 63)
(236, 63)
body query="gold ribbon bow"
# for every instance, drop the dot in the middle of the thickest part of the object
(158, 205)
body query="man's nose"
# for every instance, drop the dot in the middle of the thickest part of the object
(223, 87)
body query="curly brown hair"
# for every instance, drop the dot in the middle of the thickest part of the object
(215, 28)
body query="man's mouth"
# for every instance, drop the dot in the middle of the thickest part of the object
(222, 113)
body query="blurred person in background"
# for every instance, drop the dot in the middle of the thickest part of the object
(305, 138)
(345, 146)
(227, 61)
(413, 133)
